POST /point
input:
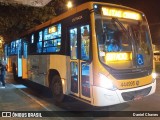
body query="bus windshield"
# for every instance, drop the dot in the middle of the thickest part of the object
(123, 43)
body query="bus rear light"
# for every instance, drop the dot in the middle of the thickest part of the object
(106, 82)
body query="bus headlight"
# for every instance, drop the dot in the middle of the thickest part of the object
(106, 82)
(154, 76)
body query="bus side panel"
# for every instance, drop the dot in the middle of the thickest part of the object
(59, 63)
(39, 65)
(24, 68)
(37, 68)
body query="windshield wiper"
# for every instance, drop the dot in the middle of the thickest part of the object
(115, 20)
(122, 26)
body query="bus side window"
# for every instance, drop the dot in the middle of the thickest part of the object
(85, 41)
(39, 43)
(73, 43)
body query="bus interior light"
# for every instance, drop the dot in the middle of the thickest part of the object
(52, 29)
(106, 82)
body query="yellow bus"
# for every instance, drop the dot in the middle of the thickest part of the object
(97, 52)
(13, 57)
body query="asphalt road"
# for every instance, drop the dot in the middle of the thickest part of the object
(19, 97)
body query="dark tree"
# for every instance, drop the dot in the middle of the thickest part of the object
(16, 18)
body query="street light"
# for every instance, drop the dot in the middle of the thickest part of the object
(69, 4)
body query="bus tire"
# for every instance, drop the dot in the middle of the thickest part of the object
(57, 89)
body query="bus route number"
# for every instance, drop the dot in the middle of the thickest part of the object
(128, 84)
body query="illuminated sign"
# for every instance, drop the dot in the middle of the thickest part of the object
(121, 13)
(116, 56)
(52, 29)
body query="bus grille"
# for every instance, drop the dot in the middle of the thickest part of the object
(133, 94)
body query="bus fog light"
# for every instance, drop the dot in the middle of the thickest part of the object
(106, 82)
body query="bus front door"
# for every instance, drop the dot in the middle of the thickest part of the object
(19, 58)
(80, 67)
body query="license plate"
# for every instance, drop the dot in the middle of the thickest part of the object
(128, 84)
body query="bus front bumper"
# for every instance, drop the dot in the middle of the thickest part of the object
(105, 97)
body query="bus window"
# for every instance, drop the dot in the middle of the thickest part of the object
(73, 43)
(9, 50)
(32, 38)
(19, 48)
(39, 43)
(12, 48)
(85, 41)
(52, 39)
(74, 77)
(85, 83)
(40, 36)
(25, 50)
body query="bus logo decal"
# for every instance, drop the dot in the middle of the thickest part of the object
(77, 18)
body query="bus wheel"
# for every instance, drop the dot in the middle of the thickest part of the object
(57, 89)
